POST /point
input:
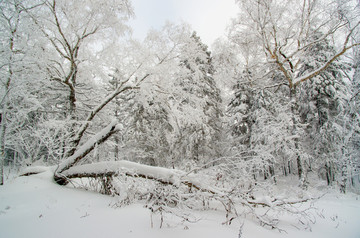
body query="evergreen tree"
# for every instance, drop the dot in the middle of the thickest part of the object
(323, 102)
(176, 116)
(199, 97)
(262, 124)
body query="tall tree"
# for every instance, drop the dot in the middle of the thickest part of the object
(17, 100)
(284, 32)
(69, 32)
(175, 115)
(200, 100)
(322, 102)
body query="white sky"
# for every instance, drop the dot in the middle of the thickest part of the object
(208, 18)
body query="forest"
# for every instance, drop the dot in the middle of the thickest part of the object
(174, 122)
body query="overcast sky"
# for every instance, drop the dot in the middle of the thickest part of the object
(208, 17)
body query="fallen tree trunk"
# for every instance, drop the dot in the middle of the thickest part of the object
(69, 169)
(162, 175)
(176, 178)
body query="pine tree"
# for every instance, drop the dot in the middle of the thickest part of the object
(323, 102)
(262, 124)
(199, 97)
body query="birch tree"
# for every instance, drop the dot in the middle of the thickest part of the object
(284, 32)
(147, 66)
(69, 32)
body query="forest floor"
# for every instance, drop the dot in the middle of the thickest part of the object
(35, 207)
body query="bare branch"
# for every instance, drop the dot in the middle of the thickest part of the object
(328, 63)
(59, 28)
(322, 38)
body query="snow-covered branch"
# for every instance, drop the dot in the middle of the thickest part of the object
(319, 70)
(85, 149)
(92, 114)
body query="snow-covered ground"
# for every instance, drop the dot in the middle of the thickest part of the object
(35, 207)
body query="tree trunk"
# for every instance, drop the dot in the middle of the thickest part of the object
(116, 149)
(2, 146)
(162, 175)
(116, 114)
(299, 162)
(5, 107)
(329, 169)
(343, 181)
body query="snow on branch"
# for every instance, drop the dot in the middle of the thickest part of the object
(328, 63)
(167, 176)
(163, 175)
(86, 148)
(93, 113)
(109, 168)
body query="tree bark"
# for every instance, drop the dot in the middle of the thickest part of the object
(2, 146)
(2, 141)
(344, 174)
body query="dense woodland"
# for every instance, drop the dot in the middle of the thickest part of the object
(277, 98)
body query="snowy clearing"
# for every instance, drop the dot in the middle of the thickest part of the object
(35, 206)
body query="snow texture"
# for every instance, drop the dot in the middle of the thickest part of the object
(36, 207)
(36, 170)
